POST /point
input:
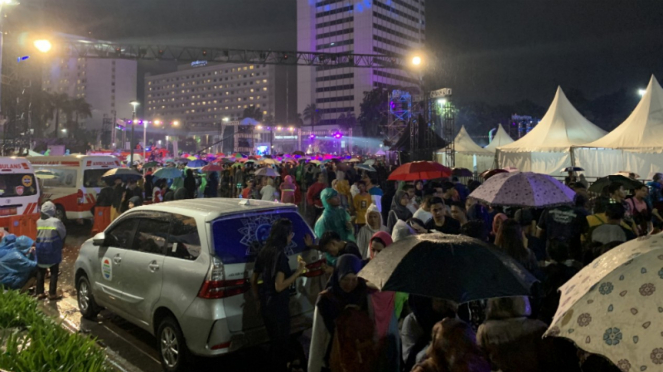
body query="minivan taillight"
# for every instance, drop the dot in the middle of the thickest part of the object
(81, 196)
(223, 288)
(215, 287)
(314, 269)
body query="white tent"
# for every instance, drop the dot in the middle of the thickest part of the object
(467, 153)
(547, 148)
(501, 138)
(635, 146)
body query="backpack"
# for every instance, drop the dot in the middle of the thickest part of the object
(353, 346)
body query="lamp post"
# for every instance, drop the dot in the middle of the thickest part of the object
(134, 104)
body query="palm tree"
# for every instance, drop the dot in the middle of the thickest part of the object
(59, 102)
(42, 112)
(82, 109)
(253, 113)
(312, 113)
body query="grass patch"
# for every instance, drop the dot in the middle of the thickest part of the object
(31, 341)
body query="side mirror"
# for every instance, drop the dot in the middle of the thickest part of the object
(99, 240)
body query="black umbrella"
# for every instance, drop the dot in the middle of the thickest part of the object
(452, 267)
(572, 169)
(461, 172)
(125, 174)
(600, 183)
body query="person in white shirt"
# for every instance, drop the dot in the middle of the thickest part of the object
(423, 213)
(268, 192)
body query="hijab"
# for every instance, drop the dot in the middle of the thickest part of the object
(401, 211)
(384, 237)
(334, 300)
(374, 209)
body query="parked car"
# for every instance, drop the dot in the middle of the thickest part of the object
(181, 271)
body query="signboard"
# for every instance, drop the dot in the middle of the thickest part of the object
(444, 92)
(56, 150)
(285, 137)
(198, 63)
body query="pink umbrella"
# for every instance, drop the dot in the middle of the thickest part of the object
(523, 189)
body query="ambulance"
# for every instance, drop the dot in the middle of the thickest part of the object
(19, 197)
(76, 182)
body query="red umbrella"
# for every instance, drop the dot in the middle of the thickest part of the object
(420, 170)
(212, 168)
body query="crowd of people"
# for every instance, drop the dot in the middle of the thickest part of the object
(359, 328)
(356, 214)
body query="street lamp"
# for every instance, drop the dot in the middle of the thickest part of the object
(416, 60)
(134, 104)
(43, 45)
(642, 92)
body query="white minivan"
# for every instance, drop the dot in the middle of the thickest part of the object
(181, 271)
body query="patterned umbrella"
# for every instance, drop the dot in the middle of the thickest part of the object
(524, 189)
(420, 170)
(614, 306)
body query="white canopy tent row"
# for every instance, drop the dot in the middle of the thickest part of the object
(501, 138)
(636, 145)
(547, 148)
(467, 154)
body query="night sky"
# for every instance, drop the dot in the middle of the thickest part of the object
(498, 51)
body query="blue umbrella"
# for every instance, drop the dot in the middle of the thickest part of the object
(167, 173)
(196, 164)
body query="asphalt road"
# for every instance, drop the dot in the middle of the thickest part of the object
(131, 348)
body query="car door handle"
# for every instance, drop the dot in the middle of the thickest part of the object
(153, 266)
(117, 259)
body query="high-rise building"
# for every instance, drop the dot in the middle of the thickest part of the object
(200, 95)
(388, 27)
(107, 84)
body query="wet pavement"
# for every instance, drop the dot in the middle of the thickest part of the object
(130, 348)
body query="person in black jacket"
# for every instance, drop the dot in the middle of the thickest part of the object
(190, 184)
(212, 188)
(118, 197)
(149, 184)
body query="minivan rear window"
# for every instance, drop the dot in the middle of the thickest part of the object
(239, 239)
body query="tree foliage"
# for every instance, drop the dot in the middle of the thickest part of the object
(312, 114)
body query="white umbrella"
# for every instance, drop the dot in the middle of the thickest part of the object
(380, 153)
(266, 172)
(370, 162)
(524, 189)
(614, 306)
(137, 158)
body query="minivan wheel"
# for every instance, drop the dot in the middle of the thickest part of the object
(86, 304)
(172, 347)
